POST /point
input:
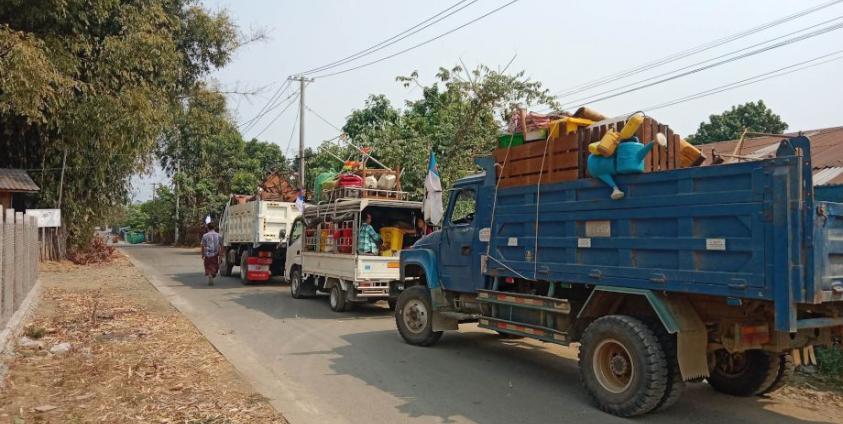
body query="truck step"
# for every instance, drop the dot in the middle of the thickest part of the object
(523, 329)
(528, 301)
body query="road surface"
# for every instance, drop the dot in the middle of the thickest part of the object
(318, 366)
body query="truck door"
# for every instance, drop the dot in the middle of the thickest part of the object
(294, 247)
(456, 256)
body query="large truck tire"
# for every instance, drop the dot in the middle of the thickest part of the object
(747, 373)
(414, 317)
(244, 275)
(336, 299)
(675, 384)
(225, 264)
(786, 369)
(623, 366)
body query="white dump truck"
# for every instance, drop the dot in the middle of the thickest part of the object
(254, 237)
(323, 256)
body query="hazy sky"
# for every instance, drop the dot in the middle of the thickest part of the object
(560, 43)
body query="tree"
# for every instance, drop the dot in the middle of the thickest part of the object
(98, 82)
(459, 117)
(753, 116)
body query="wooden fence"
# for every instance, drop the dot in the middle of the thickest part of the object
(19, 254)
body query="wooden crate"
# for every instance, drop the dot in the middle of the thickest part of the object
(522, 165)
(659, 159)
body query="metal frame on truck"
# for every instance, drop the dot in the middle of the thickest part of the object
(317, 265)
(718, 272)
(254, 237)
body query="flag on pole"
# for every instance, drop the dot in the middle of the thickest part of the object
(432, 206)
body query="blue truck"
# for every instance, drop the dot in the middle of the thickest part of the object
(719, 273)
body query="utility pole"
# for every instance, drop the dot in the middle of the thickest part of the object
(302, 84)
(178, 167)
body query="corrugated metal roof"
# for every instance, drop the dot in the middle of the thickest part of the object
(16, 180)
(826, 151)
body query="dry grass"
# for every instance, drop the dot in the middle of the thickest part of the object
(134, 358)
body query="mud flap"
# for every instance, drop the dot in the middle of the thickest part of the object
(691, 340)
(440, 321)
(443, 323)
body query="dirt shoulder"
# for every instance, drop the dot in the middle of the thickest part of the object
(132, 358)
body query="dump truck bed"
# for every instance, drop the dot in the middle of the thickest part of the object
(746, 230)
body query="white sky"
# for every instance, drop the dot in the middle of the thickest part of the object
(561, 44)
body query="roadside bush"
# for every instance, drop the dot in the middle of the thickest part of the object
(830, 360)
(97, 252)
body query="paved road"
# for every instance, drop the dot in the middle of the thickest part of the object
(317, 366)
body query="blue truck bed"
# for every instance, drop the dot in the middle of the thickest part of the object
(749, 230)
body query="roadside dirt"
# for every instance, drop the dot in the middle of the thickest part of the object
(132, 358)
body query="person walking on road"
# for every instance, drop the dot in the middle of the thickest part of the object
(368, 240)
(211, 252)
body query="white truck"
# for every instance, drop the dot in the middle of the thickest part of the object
(322, 253)
(254, 237)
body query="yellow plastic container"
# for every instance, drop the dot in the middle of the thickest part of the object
(689, 155)
(393, 240)
(323, 240)
(632, 125)
(607, 145)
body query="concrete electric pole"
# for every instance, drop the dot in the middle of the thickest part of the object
(302, 84)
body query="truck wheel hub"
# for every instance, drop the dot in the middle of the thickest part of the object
(415, 315)
(613, 366)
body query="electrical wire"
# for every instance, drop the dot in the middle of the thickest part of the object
(323, 119)
(751, 80)
(280, 91)
(420, 44)
(276, 117)
(715, 64)
(290, 141)
(276, 105)
(392, 40)
(692, 51)
(586, 99)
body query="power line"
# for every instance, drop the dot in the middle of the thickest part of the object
(323, 119)
(392, 40)
(751, 80)
(290, 141)
(722, 62)
(277, 104)
(250, 123)
(704, 61)
(422, 43)
(692, 51)
(276, 117)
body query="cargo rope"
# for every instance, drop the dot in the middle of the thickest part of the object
(495, 198)
(547, 143)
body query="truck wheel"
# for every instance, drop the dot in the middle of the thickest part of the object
(337, 299)
(225, 264)
(747, 373)
(298, 286)
(786, 369)
(675, 384)
(414, 317)
(244, 267)
(623, 366)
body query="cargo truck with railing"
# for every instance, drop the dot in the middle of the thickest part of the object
(720, 273)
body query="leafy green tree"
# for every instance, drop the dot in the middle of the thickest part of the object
(753, 116)
(98, 83)
(458, 117)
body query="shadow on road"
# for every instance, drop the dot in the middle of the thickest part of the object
(527, 379)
